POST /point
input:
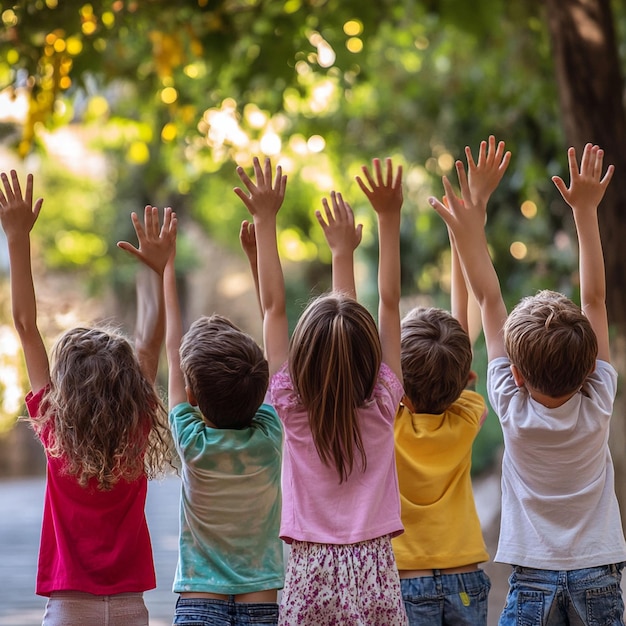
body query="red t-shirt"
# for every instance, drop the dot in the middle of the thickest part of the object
(92, 541)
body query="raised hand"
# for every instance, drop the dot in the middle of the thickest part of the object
(461, 214)
(384, 191)
(587, 185)
(338, 225)
(156, 243)
(17, 213)
(485, 174)
(247, 239)
(264, 198)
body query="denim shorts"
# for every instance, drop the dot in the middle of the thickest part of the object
(447, 599)
(582, 597)
(199, 612)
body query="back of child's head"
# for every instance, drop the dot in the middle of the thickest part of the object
(436, 357)
(551, 342)
(104, 418)
(334, 360)
(226, 371)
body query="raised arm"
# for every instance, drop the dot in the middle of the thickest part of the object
(263, 201)
(155, 244)
(18, 216)
(483, 175)
(343, 238)
(247, 239)
(384, 191)
(466, 219)
(584, 194)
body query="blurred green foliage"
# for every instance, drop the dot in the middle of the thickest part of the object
(164, 99)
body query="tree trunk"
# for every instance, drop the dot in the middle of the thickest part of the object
(590, 92)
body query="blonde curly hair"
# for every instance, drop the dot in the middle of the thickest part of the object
(102, 416)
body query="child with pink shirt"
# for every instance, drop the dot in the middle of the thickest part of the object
(336, 387)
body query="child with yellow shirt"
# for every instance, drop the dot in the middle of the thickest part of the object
(440, 551)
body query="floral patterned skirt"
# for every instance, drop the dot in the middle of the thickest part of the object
(342, 585)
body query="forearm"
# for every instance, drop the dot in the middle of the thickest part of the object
(270, 272)
(389, 260)
(150, 326)
(343, 273)
(23, 301)
(591, 259)
(173, 337)
(459, 298)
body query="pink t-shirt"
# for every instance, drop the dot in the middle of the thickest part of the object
(92, 541)
(316, 507)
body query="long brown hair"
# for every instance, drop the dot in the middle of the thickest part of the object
(104, 419)
(334, 359)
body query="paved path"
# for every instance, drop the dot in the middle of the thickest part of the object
(21, 503)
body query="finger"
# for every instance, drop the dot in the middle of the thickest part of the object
(491, 149)
(368, 176)
(607, 177)
(364, 188)
(37, 207)
(241, 194)
(278, 179)
(28, 196)
(441, 209)
(559, 183)
(267, 174)
(339, 207)
(482, 153)
(258, 172)
(389, 165)
(139, 229)
(320, 220)
(245, 179)
(398, 180)
(124, 245)
(506, 159)
(8, 190)
(584, 162)
(572, 164)
(470, 159)
(17, 191)
(327, 211)
(378, 171)
(358, 231)
(148, 221)
(463, 183)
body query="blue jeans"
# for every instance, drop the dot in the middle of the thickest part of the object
(447, 599)
(580, 597)
(199, 612)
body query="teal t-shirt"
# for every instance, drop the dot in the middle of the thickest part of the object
(230, 504)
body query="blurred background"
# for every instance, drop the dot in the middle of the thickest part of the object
(115, 104)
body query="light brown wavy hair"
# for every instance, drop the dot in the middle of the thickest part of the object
(225, 369)
(436, 357)
(551, 342)
(334, 360)
(105, 418)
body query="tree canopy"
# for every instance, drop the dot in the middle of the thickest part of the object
(163, 99)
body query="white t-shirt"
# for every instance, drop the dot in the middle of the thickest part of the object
(559, 508)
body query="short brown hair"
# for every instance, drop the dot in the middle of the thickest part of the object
(226, 371)
(436, 359)
(334, 360)
(551, 342)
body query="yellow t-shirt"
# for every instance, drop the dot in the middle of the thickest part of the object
(434, 458)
